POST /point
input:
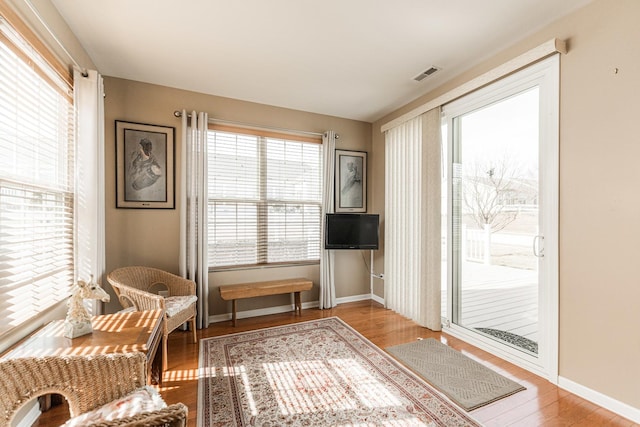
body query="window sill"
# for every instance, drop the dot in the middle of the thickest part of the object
(263, 266)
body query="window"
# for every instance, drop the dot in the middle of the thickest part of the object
(265, 194)
(36, 182)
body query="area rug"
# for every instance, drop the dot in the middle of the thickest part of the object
(316, 373)
(468, 383)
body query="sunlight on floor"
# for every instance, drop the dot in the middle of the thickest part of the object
(230, 371)
(314, 385)
(180, 375)
(409, 422)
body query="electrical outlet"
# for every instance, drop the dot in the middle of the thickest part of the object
(163, 293)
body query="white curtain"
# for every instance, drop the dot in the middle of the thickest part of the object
(412, 219)
(90, 183)
(327, 263)
(193, 209)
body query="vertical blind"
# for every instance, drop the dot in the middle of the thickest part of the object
(265, 195)
(36, 182)
(412, 208)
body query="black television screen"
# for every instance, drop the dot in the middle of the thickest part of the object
(351, 231)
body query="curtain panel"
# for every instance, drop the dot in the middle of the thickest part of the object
(412, 219)
(193, 209)
(90, 183)
(327, 262)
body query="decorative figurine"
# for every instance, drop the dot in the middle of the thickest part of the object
(78, 321)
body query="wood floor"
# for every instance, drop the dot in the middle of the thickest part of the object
(541, 404)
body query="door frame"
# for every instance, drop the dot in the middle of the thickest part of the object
(546, 75)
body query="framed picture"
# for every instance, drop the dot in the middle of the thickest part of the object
(351, 181)
(145, 176)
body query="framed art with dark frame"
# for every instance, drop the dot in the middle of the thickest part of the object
(351, 181)
(145, 166)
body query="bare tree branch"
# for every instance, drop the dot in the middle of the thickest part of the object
(486, 190)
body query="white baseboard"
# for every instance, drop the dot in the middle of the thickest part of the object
(353, 298)
(613, 405)
(377, 299)
(283, 308)
(260, 312)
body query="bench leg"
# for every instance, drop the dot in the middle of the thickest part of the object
(233, 315)
(298, 308)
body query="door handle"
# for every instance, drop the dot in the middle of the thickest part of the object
(538, 246)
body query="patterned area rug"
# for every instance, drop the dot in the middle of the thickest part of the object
(317, 373)
(468, 383)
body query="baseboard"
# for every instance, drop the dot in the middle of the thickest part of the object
(283, 308)
(261, 312)
(613, 405)
(354, 298)
(377, 299)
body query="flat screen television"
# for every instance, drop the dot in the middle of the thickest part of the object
(351, 231)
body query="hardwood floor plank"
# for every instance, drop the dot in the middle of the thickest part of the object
(542, 404)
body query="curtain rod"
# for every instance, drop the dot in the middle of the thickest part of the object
(178, 113)
(83, 70)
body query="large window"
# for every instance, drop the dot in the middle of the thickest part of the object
(36, 182)
(264, 199)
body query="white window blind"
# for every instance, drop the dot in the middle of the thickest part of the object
(265, 197)
(36, 183)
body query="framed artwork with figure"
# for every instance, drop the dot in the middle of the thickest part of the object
(145, 166)
(351, 181)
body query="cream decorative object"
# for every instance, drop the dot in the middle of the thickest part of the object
(94, 386)
(78, 320)
(135, 287)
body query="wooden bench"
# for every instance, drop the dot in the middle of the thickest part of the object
(258, 289)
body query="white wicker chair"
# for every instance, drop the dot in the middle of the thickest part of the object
(87, 382)
(133, 285)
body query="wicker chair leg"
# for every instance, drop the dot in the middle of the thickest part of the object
(164, 354)
(193, 328)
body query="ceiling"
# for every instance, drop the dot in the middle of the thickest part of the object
(348, 58)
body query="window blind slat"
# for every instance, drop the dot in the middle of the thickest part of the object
(264, 199)
(36, 184)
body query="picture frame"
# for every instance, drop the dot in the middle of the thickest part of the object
(351, 181)
(145, 166)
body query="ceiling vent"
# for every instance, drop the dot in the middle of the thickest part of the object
(426, 73)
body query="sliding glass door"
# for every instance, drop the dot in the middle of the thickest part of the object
(501, 216)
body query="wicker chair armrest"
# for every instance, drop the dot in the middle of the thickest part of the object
(172, 416)
(142, 300)
(87, 382)
(127, 302)
(179, 286)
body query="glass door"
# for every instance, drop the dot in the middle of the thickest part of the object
(495, 220)
(501, 217)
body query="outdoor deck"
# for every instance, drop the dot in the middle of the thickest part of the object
(500, 298)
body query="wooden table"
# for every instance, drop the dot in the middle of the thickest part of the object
(112, 333)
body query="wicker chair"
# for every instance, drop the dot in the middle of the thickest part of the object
(133, 286)
(87, 382)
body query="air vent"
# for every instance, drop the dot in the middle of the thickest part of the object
(426, 73)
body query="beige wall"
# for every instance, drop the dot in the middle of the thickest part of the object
(599, 268)
(599, 206)
(151, 237)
